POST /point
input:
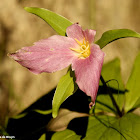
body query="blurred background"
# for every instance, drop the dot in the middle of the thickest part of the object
(19, 88)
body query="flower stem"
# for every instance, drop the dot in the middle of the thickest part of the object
(111, 96)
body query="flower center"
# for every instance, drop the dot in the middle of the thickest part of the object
(83, 50)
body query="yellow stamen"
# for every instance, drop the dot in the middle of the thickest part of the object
(78, 41)
(84, 40)
(84, 49)
(76, 50)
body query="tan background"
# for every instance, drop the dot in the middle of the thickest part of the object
(18, 87)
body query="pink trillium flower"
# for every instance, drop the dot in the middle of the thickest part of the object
(57, 52)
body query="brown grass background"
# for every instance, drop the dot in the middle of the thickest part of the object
(18, 87)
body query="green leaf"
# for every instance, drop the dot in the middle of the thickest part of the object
(57, 22)
(137, 104)
(97, 126)
(112, 35)
(111, 72)
(133, 86)
(65, 135)
(65, 88)
(111, 128)
(43, 137)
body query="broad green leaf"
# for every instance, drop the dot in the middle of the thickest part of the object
(66, 135)
(97, 126)
(125, 128)
(111, 71)
(112, 35)
(65, 88)
(137, 104)
(133, 86)
(57, 22)
(111, 128)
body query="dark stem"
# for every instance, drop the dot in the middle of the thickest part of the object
(111, 96)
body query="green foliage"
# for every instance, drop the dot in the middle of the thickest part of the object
(65, 135)
(127, 127)
(133, 87)
(106, 128)
(65, 88)
(112, 35)
(111, 72)
(137, 104)
(111, 128)
(57, 22)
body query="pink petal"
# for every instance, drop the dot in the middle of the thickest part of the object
(48, 55)
(87, 71)
(75, 31)
(89, 35)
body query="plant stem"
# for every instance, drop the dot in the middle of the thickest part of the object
(111, 96)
